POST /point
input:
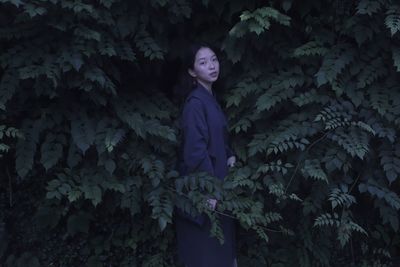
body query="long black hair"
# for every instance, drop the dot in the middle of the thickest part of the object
(186, 82)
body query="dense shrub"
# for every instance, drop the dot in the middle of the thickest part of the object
(88, 137)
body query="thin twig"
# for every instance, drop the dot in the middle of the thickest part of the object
(355, 182)
(298, 163)
(10, 187)
(352, 252)
(225, 214)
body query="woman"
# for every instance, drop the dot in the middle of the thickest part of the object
(205, 148)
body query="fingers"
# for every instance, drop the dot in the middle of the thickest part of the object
(212, 203)
(231, 161)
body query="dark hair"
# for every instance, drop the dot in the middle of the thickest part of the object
(187, 82)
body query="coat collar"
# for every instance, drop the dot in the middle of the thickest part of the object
(201, 92)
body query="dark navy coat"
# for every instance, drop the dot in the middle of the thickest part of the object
(205, 148)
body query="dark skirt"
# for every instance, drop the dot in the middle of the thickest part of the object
(196, 248)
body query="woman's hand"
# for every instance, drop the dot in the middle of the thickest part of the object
(231, 161)
(212, 203)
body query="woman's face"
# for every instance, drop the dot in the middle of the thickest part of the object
(206, 66)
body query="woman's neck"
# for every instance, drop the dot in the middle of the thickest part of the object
(207, 86)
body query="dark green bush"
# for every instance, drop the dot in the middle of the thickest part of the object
(88, 142)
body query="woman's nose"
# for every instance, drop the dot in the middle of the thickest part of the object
(211, 65)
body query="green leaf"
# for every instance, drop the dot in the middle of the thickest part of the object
(83, 132)
(396, 58)
(392, 20)
(162, 222)
(92, 192)
(368, 7)
(74, 195)
(76, 61)
(87, 33)
(33, 10)
(17, 3)
(110, 166)
(51, 151)
(74, 156)
(26, 147)
(334, 62)
(313, 169)
(312, 48)
(8, 86)
(146, 44)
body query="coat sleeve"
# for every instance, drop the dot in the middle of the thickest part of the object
(229, 151)
(196, 137)
(195, 142)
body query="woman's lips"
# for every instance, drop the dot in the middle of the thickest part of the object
(214, 74)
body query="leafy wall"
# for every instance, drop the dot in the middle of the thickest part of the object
(88, 138)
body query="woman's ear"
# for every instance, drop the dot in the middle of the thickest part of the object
(191, 73)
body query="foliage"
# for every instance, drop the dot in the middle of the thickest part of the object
(88, 139)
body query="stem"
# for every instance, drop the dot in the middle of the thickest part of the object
(355, 182)
(352, 252)
(10, 187)
(227, 215)
(305, 152)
